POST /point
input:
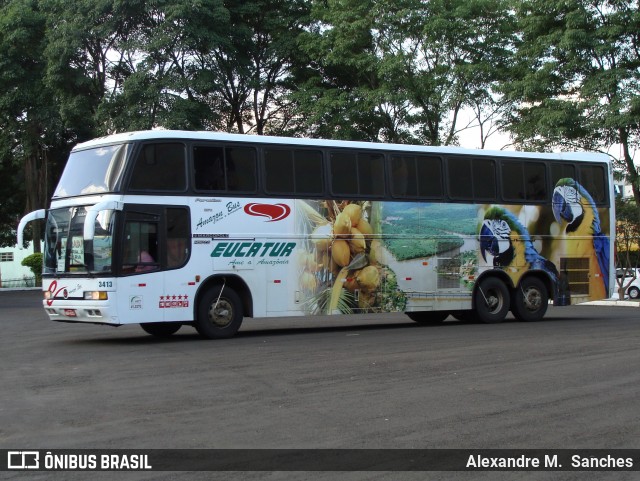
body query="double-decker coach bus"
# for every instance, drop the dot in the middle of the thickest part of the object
(171, 228)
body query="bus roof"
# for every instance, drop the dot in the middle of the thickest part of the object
(272, 140)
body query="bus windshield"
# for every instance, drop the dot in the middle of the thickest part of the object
(65, 249)
(92, 171)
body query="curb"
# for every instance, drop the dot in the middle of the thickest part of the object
(611, 302)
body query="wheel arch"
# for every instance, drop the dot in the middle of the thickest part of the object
(228, 280)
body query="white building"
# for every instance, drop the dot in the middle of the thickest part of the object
(12, 272)
(623, 190)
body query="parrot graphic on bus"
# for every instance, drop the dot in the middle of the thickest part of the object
(575, 211)
(508, 242)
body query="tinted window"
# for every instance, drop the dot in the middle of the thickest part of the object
(460, 178)
(357, 174)
(592, 179)
(403, 180)
(224, 169)
(472, 178)
(241, 169)
(178, 237)
(344, 173)
(524, 181)
(429, 175)
(308, 172)
(535, 181)
(160, 167)
(512, 181)
(416, 176)
(562, 171)
(279, 173)
(208, 164)
(484, 179)
(371, 174)
(293, 171)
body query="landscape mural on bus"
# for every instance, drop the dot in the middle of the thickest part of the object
(367, 256)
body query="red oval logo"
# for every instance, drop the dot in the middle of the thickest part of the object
(273, 212)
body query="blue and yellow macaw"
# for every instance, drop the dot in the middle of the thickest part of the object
(509, 242)
(574, 208)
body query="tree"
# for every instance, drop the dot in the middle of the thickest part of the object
(34, 262)
(339, 92)
(402, 71)
(447, 56)
(86, 52)
(246, 76)
(627, 243)
(31, 135)
(574, 82)
(158, 85)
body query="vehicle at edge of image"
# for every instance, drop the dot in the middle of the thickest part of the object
(630, 282)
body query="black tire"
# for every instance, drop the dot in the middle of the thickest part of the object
(492, 300)
(530, 301)
(633, 292)
(161, 329)
(428, 317)
(219, 315)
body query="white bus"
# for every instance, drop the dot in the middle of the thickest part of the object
(171, 228)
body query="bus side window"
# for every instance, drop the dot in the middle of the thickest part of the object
(460, 178)
(178, 237)
(592, 179)
(429, 176)
(403, 178)
(513, 181)
(160, 167)
(535, 175)
(208, 163)
(241, 169)
(561, 171)
(371, 174)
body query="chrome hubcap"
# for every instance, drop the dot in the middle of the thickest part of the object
(532, 299)
(221, 314)
(494, 301)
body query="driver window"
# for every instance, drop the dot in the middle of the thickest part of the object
(140, 251)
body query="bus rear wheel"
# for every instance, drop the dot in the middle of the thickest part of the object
(531, 300)
(219, 313)
(161, 329)
(492, 300)
(428, 317)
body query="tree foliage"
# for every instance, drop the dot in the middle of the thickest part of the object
(402, 71)
(575, 81)
(32, 139)
(34, 262)
(555, 73)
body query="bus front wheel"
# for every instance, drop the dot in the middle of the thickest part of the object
(219, 313)
(161, 329)
(492, 300)
(531, 300)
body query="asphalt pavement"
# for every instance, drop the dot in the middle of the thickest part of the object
(570, 381)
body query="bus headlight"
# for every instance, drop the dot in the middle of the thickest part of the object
(95, 295)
